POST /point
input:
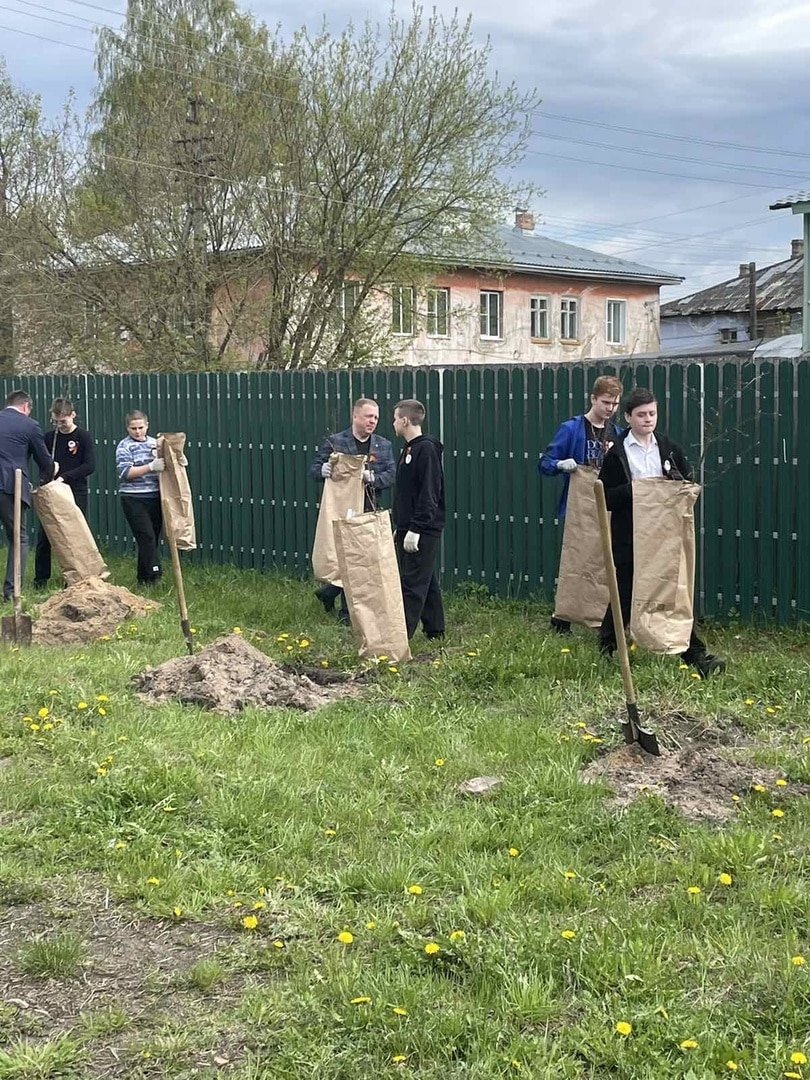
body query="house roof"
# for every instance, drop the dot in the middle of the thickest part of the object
(779, 288)
(791, 200)
(532, 253)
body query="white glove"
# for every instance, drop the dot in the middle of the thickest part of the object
(368, 476)
(326, 470)
(157, 464)
(411, 542)
(567, 465)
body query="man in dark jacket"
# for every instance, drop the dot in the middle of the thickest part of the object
(378, 474)
(638, 453)
(419, 519)
(72, 448)
(20, 437)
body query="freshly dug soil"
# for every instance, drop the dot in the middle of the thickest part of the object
(230, 674)
(87, 611)
(700, 768)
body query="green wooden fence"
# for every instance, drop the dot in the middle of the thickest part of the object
(251, 437)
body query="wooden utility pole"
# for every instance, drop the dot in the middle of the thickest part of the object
(753, 330)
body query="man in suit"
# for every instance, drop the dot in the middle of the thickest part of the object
(20, 438)
(379, 473)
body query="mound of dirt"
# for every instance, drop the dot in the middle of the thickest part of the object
(87, 611)
(700, 769)
(230, 674)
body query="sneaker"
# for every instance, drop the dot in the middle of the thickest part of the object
(709, 664)
(607, 649)
(327, 601)
(343, 618)
(561, 626)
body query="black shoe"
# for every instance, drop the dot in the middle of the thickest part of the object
(327, 601)
(561, 626)
(343, 618)
(435, 637)
(708, 664)
(43, 584)
(607, 649)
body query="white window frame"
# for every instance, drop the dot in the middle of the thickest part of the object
(536, 313)
(618, 305)
(436, 317)
(569, 318)
(486, 297)
(403, 305)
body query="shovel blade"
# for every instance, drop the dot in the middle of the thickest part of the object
(634, 732)
(16, 629)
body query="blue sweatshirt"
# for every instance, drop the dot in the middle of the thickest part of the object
(130, 452)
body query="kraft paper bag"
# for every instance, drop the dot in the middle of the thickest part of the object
(662, 612)
(370, 576)
(72, 542)
(175, 491)
(582, 589)
(342, 491)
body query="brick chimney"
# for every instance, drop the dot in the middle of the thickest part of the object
(524, 219)
(796, 249)
(743, 270)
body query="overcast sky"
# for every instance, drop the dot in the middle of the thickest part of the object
(730, 72)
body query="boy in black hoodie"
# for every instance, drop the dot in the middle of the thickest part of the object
(638, 453)
(419, 519)
(73, 448)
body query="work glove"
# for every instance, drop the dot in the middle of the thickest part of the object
(326, 470)
(157, 464)
(411, 542)
(567, 465)
(368, 476)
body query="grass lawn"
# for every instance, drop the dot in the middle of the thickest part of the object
(288, 894)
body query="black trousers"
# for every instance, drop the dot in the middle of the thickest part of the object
(421, 594)
(331, 593)
(42, 566)
(607, 631)
(7, 518)
(145, 518)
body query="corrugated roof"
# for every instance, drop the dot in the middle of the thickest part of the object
(791, 200)
(779, 288)
(533, 253)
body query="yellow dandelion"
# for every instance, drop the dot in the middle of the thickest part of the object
(725, 879)
(360, 1001)
(516, 1064)
(371, 925)
(259, 905)
(102, 711)
(178, 911)
(694, 890)
(43, 712)
(688, 1044)
(102, 697)
(569, 875)
(392, 668)
(250, 922)
(633, 646)
(663, 1012)
(120, 845)
(34, 727)
(237, 629)
(565, 650)
(695, 675)
(457, 935)
(345, 938)
(735, 798)
(153, 881)
(278, 944)
(759, 788)
(169, 809)
(792, 1075)
(778, 813)
(798, 1058)
(47, 727)
(781, 783)
(282, 637)
(82, 705)
(514, 852)
(732, 1065)
(398, 1010)
(415, 890)
(749, 701)
(569, 935)
(798, 961)
(776, 836)
(432, 948)
(330, 832)
(683, 667)
(770, 710)
(806, 740)
(324, 663)
(624, 1028)
(439, 762)
(397, 1059)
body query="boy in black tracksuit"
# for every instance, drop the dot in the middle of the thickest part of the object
(419, 519)
(72, 447)
(638, 453)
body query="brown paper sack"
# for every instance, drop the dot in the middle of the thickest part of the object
(662, 612)
(65, 526)
(582, 589)
(175, 491)
(342, 492)
(370, 575)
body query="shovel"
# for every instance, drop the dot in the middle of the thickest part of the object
(632, 729)
(185, 626)
(16, 628)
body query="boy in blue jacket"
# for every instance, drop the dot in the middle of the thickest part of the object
(582, 440)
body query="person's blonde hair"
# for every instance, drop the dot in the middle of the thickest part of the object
(608, 385)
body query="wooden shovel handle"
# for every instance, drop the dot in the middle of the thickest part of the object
(613, 587)
(17, 540)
